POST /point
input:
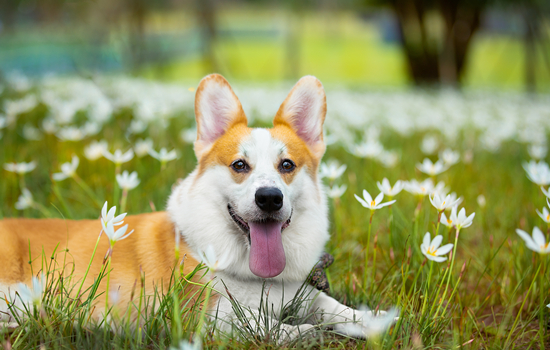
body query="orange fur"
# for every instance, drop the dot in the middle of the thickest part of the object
(149, 250)
(225, 149)
(297, 150)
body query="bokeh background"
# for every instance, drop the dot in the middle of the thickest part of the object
(501, 44)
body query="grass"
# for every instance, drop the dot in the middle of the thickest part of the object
(491, 297)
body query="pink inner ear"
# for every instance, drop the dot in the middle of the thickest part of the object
(305, 116)
(218, 107)
(219, 121)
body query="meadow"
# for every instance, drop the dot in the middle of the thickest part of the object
(490, 291)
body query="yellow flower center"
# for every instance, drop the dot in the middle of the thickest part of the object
(544, 246)
(372, 203)
(548, 217)
(449, 221)
(423, 189)
(431, 251)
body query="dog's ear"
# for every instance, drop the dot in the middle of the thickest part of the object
(217, 109)
(304, 111)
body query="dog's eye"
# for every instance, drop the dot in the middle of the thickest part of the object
(287, 165)
(239, 165)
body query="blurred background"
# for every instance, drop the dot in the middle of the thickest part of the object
(501, 44)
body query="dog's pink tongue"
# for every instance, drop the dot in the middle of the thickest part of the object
(267, 256)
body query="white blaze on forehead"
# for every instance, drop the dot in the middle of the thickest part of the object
(262, 150)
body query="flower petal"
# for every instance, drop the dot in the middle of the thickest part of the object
(528, 240)
(445, 249)
(538, 237)
(363, 203)
(437, 241)
(367, 196)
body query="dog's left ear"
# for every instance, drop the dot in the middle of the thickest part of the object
(217, 109)
(304, 111)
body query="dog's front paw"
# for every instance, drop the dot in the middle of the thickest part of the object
(291, 333)
(367, 323)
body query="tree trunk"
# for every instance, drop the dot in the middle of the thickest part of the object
(208, 25)
(530, 37)
(429, 61)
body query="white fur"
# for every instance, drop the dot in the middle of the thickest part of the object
(198, 207)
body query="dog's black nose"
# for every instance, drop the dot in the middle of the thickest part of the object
(269, 198)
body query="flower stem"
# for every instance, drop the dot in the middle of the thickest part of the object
(427, 292)
(123, 200)
(86, 189)
(512, 330)
(367, 249)
(108, 280)
(89, 264)
(204, 308)
(450, 273)
(542, 293)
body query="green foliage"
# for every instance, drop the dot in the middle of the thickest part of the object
(494, 298)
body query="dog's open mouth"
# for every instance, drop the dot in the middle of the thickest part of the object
(243, 225)
(267, 255)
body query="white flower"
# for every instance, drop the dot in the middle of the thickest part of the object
(118, 157)
(432, 251)
(142, 147)
(190, 135)
(449, 157)
(3, 121)
(210, 259)
(454, 197)
(388, 158)
(163, 155)
(71, 133)
(127, 181)
(545, 215)
(371, 204)
(20, 168)
(336, 191)
(35, 293)
(137, 126)
(332, 170)
(31, 133)
(537, 151)
(419, 188)
(481, 201)
(368, 149)
(439, 189)
(107, 217)
(368, 325)
(386, 188)
(67, 170)
(539, 173)
(441, 203)
(459, 221)
(429, 144)
(96, 149)
(430, 168)
(115, 236)
(537, 243)
(185, 345)
(546, 193)
(25, 200)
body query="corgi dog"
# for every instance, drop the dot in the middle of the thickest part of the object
(255, 199)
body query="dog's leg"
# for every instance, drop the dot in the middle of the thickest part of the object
(258, 324)
(328, 312)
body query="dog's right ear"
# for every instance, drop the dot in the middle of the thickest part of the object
(217, 109)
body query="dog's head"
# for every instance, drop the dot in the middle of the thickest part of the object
(263, 182)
